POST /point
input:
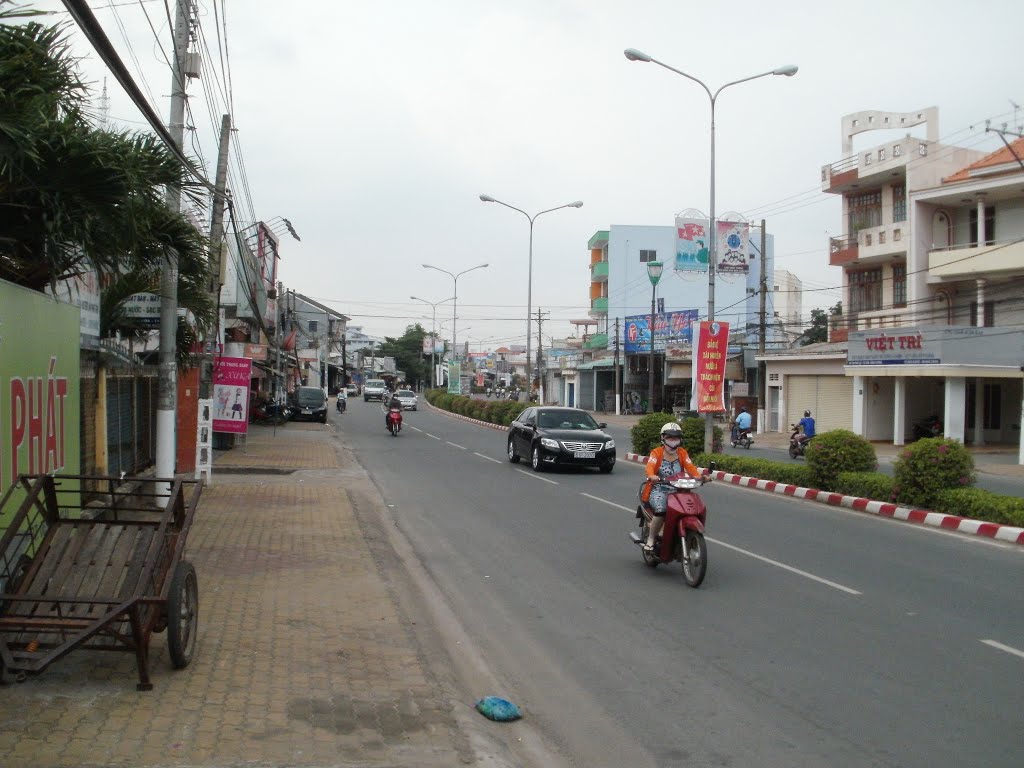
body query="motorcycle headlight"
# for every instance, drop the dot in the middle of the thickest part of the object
(609, 445)
(548, 442)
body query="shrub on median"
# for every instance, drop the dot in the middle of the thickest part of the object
(835, 451)
(646, 433)
(867, 485)
(929, 466)
(979, 504)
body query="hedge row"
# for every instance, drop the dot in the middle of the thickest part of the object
(501, 412)
(763, 469)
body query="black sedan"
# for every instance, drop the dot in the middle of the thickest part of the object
(560, 437)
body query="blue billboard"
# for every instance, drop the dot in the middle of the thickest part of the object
(669, 328)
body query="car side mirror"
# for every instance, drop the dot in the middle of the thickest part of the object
(602, 424)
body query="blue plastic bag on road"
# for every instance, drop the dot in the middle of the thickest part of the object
(496, 708)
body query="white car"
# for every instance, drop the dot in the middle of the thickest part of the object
(407, 398)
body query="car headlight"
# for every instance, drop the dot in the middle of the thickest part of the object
(548, 442)
(609, 445)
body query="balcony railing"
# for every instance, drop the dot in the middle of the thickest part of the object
(599, 305)
(599, 271)
(595, 341)
(842, 250)
(839, 173)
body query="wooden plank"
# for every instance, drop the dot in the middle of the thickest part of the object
(110, 584)
(136, 563)
(85, 576)
(63, 583)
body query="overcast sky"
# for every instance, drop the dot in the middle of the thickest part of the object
(374, 127)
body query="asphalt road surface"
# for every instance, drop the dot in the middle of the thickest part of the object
(821, 637)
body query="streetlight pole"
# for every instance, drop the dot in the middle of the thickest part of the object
(433, 338)
(789, 70)
(455, 299)
(654, 270)
(529, 272)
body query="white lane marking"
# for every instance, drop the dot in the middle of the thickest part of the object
(1005, 648)
(487, 457)
(785, 567)
(763, 559)
(456, 445)
(535, 476)
(433, 436)
(415, 429)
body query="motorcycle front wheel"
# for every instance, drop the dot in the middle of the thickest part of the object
(793, 452)
(649, 559)
(695, 566)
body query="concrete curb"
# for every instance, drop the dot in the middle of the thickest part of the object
(1006, 533)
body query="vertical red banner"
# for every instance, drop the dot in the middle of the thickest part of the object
(709, 358)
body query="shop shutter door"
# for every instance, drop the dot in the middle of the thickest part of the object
(828, 398)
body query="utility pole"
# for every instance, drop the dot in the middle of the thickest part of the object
(167, 382)
(216, 246)
(763, 290)
(618, 373)
(540, 374)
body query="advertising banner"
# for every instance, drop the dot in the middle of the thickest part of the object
(731, 253)
(143, 309)
(669, 328)
(712, 347)
(39, 386)
(691, 245)
(454, 378)
(231, 394)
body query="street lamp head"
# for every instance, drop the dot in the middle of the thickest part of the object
(654, 270)
(634, 55)
(487, 199)
(577, 204)
(789, 70)
(429, 266)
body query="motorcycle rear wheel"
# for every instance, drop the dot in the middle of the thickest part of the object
(793, 452)
(695, 567)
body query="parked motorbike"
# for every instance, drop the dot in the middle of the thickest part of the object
(269, 413)
(682, 537)
(394, 420)
(743, 439)
(930, 427)
(797, 447)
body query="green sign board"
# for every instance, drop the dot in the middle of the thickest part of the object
(454, 378)
(40, 393)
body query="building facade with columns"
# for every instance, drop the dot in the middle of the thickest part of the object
(933, 287)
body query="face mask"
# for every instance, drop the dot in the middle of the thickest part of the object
(672, 442)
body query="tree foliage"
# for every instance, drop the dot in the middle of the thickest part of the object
(408, 353)
(818, 332)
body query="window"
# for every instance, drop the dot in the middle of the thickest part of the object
(992, 409)
(646, 256)
(881, 154)
(899, 203)
(989, 316)
(866, 290)
(897, 150)
(863, 211)
(899, 285)
(314, 326)
(990, 225)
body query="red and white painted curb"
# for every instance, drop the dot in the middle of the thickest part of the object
(1005, 533)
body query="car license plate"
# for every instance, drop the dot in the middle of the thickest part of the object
(307, 410)
(583, 454)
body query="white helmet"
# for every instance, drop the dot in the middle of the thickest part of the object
(671, 430)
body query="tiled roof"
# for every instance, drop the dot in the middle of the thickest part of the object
(999, 157)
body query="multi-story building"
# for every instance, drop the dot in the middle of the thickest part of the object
(318, 336)
(933, 264)
(620, 288)
(785, 300)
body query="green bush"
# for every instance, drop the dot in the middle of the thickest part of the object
(929, 466)
(838, 450)
(980, 504)
(762, 469)
(868, 485)
(646, 433)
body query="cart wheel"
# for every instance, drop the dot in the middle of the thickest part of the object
(182, 614)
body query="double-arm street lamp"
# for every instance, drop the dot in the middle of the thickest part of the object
(455, 294)
(529, 271)
(789, 70)
(433, 334)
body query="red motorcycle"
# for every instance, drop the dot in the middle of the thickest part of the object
(394, 420)
(682, 537)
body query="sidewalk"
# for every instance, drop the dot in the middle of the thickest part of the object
(310, 650)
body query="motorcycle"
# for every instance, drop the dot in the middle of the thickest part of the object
(394, 420)
(743, 439)
(269, 413)
(797, 447)
(341, 404)
(930, 427)
(682, 537)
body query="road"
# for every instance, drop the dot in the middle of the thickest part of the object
(820, 637)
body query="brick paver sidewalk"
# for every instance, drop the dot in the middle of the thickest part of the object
(304, 656)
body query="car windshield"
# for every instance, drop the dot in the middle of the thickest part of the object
(375, 384)
(566, 420)
(405, 393)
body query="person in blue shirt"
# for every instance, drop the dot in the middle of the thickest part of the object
(807, 425)
(740, 425)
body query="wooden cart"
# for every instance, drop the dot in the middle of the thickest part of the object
(104, 577)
